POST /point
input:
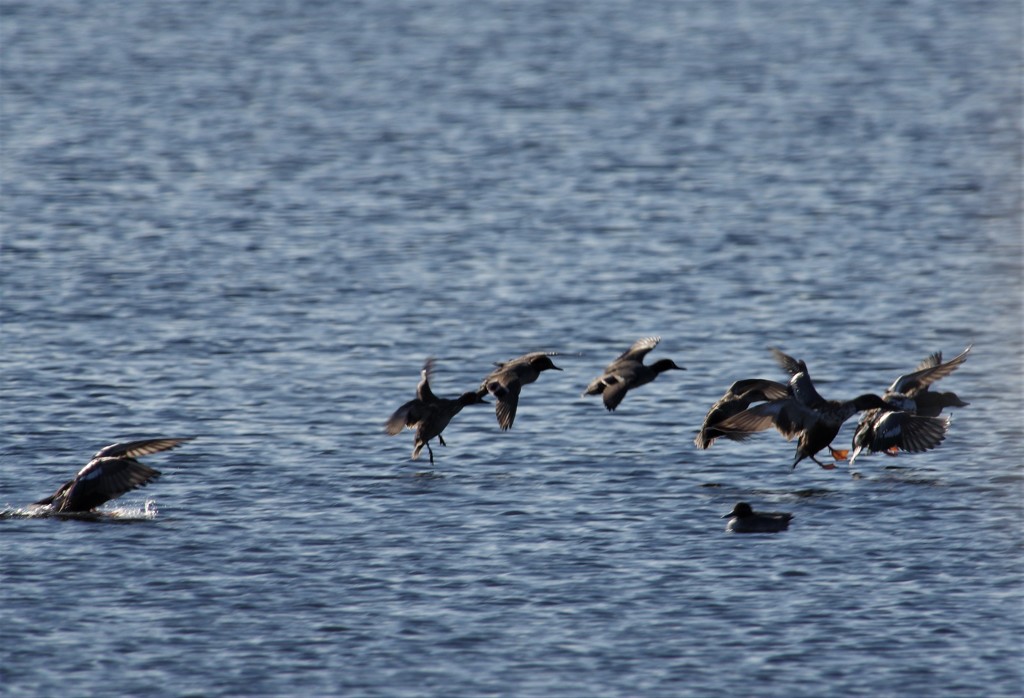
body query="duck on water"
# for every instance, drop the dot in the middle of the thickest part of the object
(113, 471)
(743, 519)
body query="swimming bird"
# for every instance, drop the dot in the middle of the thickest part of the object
(428, 414)
(629, 371)
(740, 395)
(802, 414)
(743, 519)
(113, 471)
(915, 424)
(507, 380)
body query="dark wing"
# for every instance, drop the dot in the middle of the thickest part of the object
(930, 361)
(615, 391)
(640, 349)
(787, 416)
(105, 479)
(737, 398)
(407, 415)
(134, 449)
(506, 393)
(755, 388)
(908, 432)
(788, 363)
(912, 383)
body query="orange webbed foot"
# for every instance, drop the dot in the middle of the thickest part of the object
(839, 454)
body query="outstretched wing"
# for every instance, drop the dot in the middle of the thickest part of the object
(639, 349)
(912, 383)
(788, 363)
(134, 449)
(407, 415)
(506, 401)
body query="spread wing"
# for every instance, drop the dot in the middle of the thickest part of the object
(788, 416)
(134, 449)
(912, 383)
(409, 414)
(639, 349)
(506, 401)
(788, 363)
(905, 431)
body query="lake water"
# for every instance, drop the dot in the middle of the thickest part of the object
(252, 222)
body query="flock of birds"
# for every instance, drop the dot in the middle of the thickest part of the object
(906, 417)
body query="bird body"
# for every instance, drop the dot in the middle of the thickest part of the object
(506, 381)
(629, 371)
(743, 519)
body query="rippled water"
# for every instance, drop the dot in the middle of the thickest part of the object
(252, 222)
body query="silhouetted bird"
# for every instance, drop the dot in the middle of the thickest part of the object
(629, 371)
(743, 519)
(428, 414)
(802, 414)
(507, 380)
(915, 425)
(113, 471)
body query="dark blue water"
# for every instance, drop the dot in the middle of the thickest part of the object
(252, 222)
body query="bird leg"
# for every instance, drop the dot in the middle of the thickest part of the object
(829, 466)
(430, 452)
(441, 439)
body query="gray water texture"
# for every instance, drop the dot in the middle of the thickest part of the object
(253, 221)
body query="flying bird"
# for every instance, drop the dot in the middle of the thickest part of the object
(507, 380)
(803, 414)
(428, 414)
(629, 371)
(914, 424)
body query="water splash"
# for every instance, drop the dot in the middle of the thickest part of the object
(146, 511)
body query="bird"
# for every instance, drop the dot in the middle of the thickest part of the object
(914, 426)
(737, 398)
(629, 371)
(113, 471)
(428, 414)
(916, 385)
(507, 380)
(743, 519)
(891, 432)
(802, 414)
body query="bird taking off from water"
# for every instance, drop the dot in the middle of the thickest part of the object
(113, 471)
